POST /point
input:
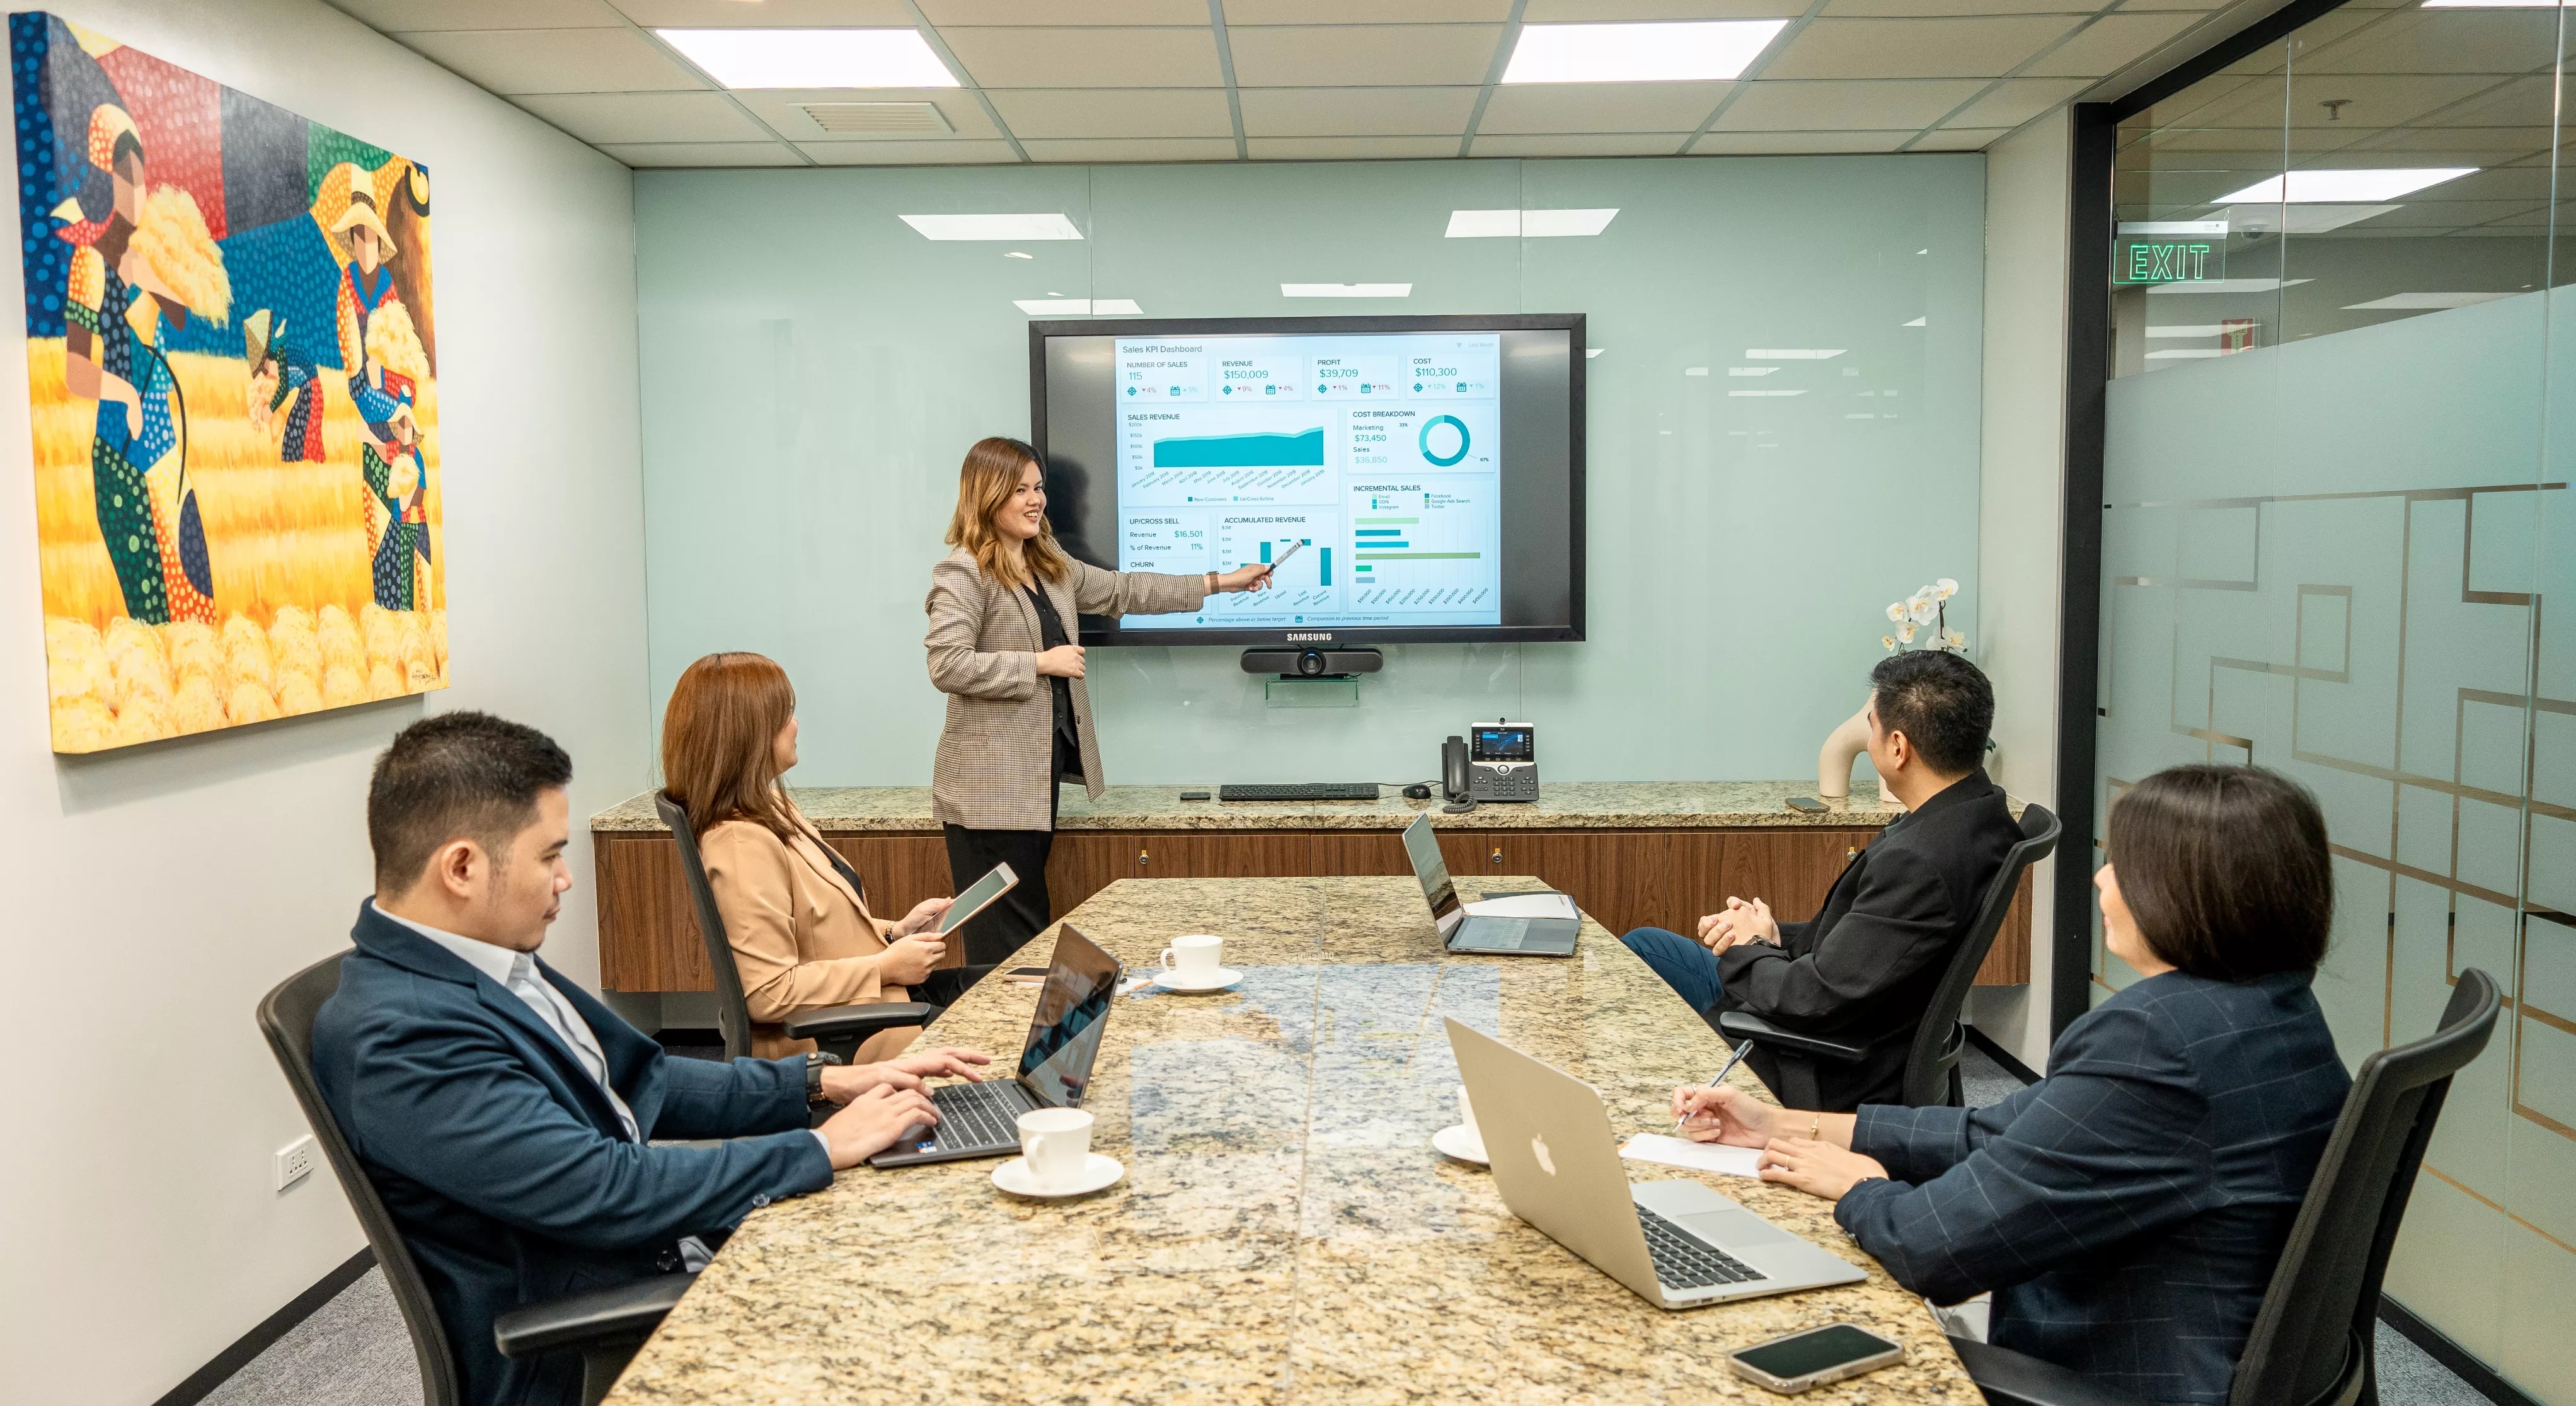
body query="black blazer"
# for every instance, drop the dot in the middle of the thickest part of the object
(2127, 1211)
(507, 1170)
(1862, 970)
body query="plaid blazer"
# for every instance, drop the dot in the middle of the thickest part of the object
(2128, 1209)
(997, 749)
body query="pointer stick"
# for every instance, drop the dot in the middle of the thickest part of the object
(1293, 549)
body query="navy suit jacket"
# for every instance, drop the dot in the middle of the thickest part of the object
(2128, 1209)
(505, 1166)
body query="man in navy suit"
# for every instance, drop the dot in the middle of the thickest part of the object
(503, 1114)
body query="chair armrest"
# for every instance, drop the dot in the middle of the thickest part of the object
(862, 1021)
(627, 1313)
(2010, 1378)
(1741, 1025)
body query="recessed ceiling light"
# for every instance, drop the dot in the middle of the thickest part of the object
(1923, 321)
(1016, 254)
(2312, 187)
(1751, 370)
(2302, 219)
(2150, 228)
(1044, 226)
(1767, 393)
(2423, 302)
(2185, 354)
(2229, 285)
(2185, 329)
(1346, 290)
(1527, 224)
(1639, 53)
(1792, 353)
(813, 58)
(1077, 307)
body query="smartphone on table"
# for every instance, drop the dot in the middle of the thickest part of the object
(1836, 1352)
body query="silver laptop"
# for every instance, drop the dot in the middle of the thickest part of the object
(1676, 1243)
(1470, 932)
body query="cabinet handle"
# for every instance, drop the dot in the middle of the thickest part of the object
(1498, 856)
(1850, 852)
(1144, 857)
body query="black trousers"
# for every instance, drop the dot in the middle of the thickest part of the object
(944, 986)
(1016, 916)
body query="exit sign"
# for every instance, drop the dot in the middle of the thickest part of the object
(2169, 261)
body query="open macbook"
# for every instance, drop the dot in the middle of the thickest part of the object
(1470, 932)
(1555, 1160)
(981, 1120)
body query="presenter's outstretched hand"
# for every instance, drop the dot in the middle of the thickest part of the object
(1245, 578)
(872, 1121)
(1062, 662)
(1724, 1113)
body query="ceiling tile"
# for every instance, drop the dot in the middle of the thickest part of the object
(1115, 112)
(1914, 103)
(1584, 144)
(1134, 149)
(2109, 44)
(513, 61)
(401, 16)
(1350, 148)
(908, 153)
(2016, 101)
(2443, 41)
(1394, 54)
(1260, 12)
(767, 14)
(1355, 112)
(1065, 12)
(1961, 139)
(1869, 9)
(2381, 100)
(1089, 58)
(781, 109)
(645, 117)
(650, 154)
(1798, 143)
(1600, 107)
(1915, 48)
(1603, 11)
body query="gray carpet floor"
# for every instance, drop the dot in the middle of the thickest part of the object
(354, 1352)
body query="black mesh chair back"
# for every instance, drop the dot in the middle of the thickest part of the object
(733, 1015)
(1932, 1066)
(286, 1018)
(2311, 1344)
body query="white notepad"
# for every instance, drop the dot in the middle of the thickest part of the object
(1525, 905)
(1697, 1156)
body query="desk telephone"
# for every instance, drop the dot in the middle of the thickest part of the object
(1496, 761)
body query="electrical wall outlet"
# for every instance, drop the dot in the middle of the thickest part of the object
(295, 1161)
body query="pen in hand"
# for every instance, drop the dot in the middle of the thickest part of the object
(1732, 1060)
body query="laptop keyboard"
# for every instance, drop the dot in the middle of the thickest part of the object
(979, 1115)
(1685, 1261)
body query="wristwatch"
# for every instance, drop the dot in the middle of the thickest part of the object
(815, 1063)
(1211, 583)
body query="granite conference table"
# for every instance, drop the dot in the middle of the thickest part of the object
(1284, 1233)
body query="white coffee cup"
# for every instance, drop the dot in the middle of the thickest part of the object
(1193, 955)
(1056, 1142)
(1467, 1116)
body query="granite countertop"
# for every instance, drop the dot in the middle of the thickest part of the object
(1562, 805)
(1284, 1232)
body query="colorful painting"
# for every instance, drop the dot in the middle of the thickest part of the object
(234, 393)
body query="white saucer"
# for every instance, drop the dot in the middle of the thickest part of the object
(1456, 1141)
(1097, 1172)
(1218, 980)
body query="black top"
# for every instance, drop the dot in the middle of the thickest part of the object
(1051, 635)
(1862, 970)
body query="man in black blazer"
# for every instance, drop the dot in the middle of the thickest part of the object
(505, 1115)
(1862, 970)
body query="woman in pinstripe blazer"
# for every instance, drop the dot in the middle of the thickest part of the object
(1002, 609)
(2128, 1209)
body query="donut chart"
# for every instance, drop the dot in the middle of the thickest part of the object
(1424, 439)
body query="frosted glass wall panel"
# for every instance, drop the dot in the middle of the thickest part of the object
(813, 370)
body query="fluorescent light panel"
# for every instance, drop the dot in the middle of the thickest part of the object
(813, 58)
(1013, 227)
(1346, 290)
(1748, 394)
(1751, 370)
(2318, 187)
(1792, 353)
(1639, 53)
(2229, 285)
(2185, 329)
(1078, 307)
(2131, 229)
(2302, 219)
(2423, 302)
(1527, 224)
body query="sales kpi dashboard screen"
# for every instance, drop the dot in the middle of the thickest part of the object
(1368, 466)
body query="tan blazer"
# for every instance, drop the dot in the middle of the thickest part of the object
(800, 935)
(998, 747)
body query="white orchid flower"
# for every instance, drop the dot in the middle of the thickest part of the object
(1946, 587)
(1888, 640)
(1896, 611)
(1952, 639)
(1923, 611)
(1905, 632)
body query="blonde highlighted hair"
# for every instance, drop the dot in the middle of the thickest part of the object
(990, 475)
(720, 742)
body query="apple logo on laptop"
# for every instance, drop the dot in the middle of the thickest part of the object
(1546, 1163)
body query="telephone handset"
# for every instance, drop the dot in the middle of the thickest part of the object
(1454, 781)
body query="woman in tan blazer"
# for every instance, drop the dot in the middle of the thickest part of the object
(1002, 615)
(794, 911)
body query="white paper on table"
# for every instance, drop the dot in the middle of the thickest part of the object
(1697, 1156)
(1525, 905)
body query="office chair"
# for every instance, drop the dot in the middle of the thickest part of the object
(2312, 1343)
(1932, 1065)
(838, 1031)
(605, 1326)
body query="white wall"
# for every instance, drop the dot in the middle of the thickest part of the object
(156, 893)
(2019, 539)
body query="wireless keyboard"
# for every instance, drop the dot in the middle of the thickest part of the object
(1301, 791)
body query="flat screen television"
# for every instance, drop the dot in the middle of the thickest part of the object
(1416, 478)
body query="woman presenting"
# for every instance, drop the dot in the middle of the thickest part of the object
(1002, 606)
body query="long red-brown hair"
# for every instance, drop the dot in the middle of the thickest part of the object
(720, 740)
(989, 477)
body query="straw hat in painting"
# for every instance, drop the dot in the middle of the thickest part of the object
(362, 209)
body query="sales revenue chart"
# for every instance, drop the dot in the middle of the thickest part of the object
(1368, 467)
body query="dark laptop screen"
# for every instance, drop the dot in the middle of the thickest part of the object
(1423, 848)
(1072, 1014)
